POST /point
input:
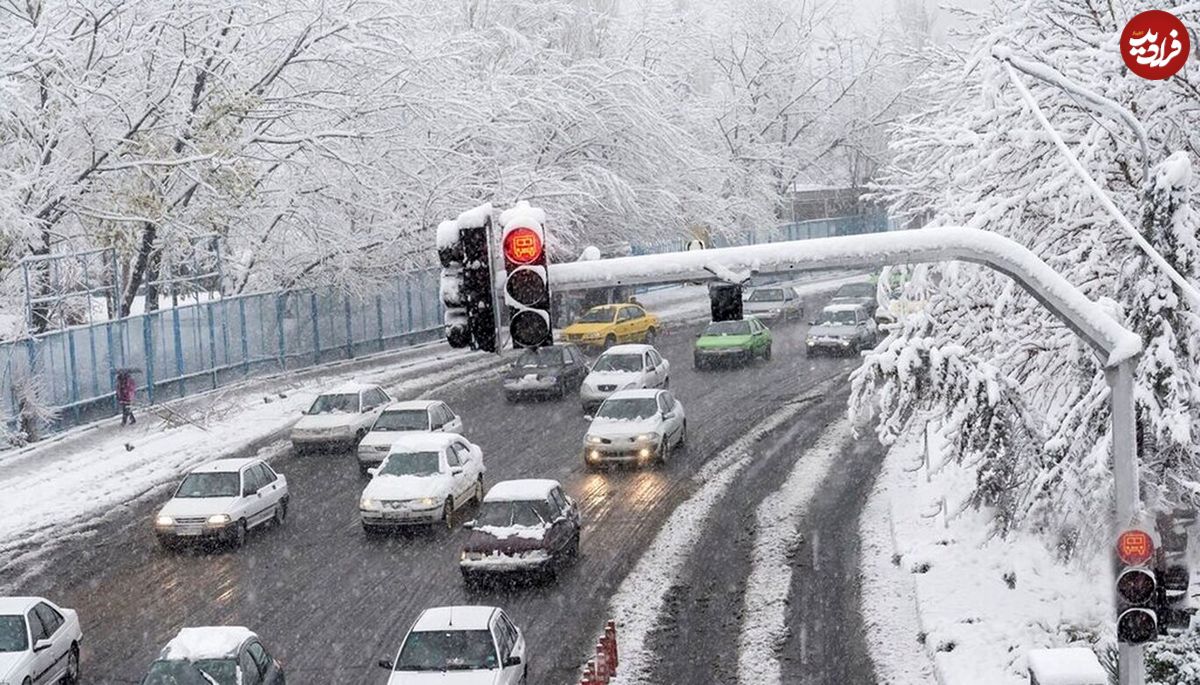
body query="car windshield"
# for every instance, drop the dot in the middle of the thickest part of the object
(837, 317)
(410, 464)
(767, 295)
(628, 409)
(201, 672)
(856, 290)
(728, 328)
(540, 358)
(618, 362)
(12, 634)
(600, 315)
(342, 403)
(528, 513)
(402, 420)
(448, 650)
(209, 485)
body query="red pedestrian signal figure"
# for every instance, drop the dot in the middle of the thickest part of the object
(522, 245)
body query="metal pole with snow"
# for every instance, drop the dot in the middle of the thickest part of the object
(1117, 347)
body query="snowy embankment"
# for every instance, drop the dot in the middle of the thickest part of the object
(777, 532)
(940, 587)
(639, 601)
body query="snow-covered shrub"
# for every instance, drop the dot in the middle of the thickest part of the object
(1171, 660)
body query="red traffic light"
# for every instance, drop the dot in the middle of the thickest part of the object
(522, 245)
(1135, 547)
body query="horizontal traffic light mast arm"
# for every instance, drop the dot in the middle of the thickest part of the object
(1088, 319)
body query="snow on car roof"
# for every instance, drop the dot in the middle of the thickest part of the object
(422, 440)
(841, 307)
(637, 393)
(454, 618)
(630, 348)
(225, 465)
(411, 404)
(522, 490)
(209, 642)
(17, 605)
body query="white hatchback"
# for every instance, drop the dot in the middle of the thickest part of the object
(339, 418)
(221, 500)
(460, 645)
(399, 418)
(624, 367)
(636, 427)
(39, 642)
(425, 478)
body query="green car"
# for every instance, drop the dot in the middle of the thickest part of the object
(728, 342)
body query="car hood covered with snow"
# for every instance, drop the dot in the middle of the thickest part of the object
(444, 678)
(381, 438)
(408, 487)
(621, 379)
(319, 421)
(197, 506)
(609, 428)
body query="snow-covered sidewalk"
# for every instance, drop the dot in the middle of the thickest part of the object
(943, 596)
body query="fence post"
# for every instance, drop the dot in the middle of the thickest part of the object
(379, 319)
(177, 334)
(112, 360)
(349, 329)
(95, 362)
(280, 305)
(245, 338)
(148, 353)
(72, 374)
(408, 302)
(316, 325)
(212, 343)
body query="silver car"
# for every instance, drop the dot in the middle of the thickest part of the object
(773, 303)
(841, 328)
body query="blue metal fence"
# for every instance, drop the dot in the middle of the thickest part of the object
(195, 347)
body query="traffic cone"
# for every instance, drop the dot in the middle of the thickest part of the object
(610, 632)
(589, 675)
(602, 672)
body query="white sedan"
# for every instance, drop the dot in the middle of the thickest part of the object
(339, 418)
(221, 500)
(635, 427)
(400, 418)
(463, 645)
(624, 367)
(424, 479)
(39, 642)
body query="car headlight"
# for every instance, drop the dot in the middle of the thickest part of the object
(648, 437)
(164, 521)
(594, 439)
(424, 502)
(845, 343)
(550, 379)
(218, 519)
(366, 503)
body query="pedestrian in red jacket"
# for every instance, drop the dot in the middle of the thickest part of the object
(126, 389)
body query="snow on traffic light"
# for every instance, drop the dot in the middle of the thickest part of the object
(464, 249)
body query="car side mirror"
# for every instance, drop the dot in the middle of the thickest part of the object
(668, 415)
(587, 417)
(247, 491)
(513, 660)
(812, 323)
(386, 663)
(43, 644)
(456, 470)
(562, 518)
(373, 471)
(469, 525)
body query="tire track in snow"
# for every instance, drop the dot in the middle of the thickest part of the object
(778, 518)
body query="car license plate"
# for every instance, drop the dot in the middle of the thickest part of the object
(187, 532)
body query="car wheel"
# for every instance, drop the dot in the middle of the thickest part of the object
(72, 676)
(281, 512)
(664, 452)
(666, 382)
(767, 353)
(509, 397)
(610, 341)
(573, 549)
(27, 681)
(478, 497)
(650, 336)
(560, 390)
(683, 435)
(448, 513)
(239, 534)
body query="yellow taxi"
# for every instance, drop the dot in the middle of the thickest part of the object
(610, 324)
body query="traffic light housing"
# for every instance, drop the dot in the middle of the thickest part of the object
(1173, 607)
(527, 279)
(464, 249)
(725, 300)
(1137, 588)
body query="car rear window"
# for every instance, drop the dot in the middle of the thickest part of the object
(527, 513)
(771, 295)
(182, 672)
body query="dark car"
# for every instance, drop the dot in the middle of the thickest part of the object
(862, 292)
(217, 655)
(523, 527)
(550, 371)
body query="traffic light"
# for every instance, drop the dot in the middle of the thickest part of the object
(1173, 608)
(1137, 588)
(464, 249)
(527, 281)
(725, 300)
